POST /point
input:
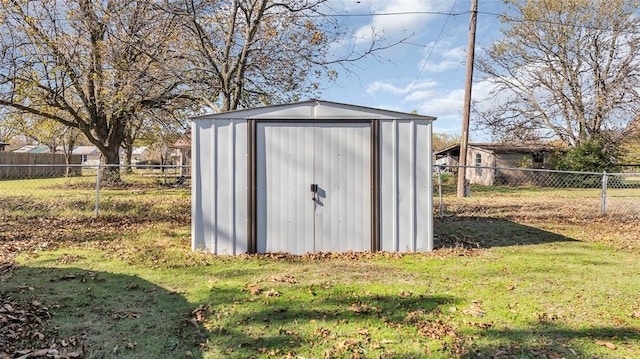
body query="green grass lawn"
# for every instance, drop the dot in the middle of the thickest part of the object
(514, 276)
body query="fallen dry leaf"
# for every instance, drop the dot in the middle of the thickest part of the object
(283, 279)
(255, 290)
(272, 293)
(606, 344)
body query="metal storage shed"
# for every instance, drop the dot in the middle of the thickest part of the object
(312, 176)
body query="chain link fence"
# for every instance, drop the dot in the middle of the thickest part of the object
(538, 193)
(514, 192)
(50, 189)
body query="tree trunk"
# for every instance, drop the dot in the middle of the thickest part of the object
(68, 151)
(128, 152)
(111, 172)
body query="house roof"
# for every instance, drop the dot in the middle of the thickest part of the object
(137, 151)
(501, 148)
(33, 149)
(183, 142)
(314, 109)
(85, 150)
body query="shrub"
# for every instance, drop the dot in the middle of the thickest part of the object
(594, 155)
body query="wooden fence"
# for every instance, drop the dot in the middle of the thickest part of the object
(36, 165)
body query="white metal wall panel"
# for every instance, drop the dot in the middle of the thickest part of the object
(343, 173)
(406, 193)
(424, 186)
(405, 186)
(219, 194)
(284, 174)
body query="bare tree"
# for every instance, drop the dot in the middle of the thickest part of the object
(260, 52)
(91, 65)
(564, 69)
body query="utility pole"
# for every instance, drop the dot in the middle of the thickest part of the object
(464, 139)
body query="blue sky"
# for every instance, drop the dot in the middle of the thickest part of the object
(428, 73)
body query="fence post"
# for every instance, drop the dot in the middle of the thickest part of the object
(603, 209)
(439, 173)
(97, 191)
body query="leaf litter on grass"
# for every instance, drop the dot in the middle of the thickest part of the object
(25, 333)
(34, 235)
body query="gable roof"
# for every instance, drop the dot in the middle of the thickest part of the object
(502, 148)
(137, 151)
(85, 150)
(314, 109)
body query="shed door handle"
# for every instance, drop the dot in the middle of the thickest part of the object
(314, 190)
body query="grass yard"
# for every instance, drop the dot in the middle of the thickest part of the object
(517, 274)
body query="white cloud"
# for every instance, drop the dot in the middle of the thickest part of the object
(447, 105)
(412, 19)
(382, 86)
(458, 52)
(449, 58)
(441, 66)
(420, 95)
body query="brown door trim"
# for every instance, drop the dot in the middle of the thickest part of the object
(252, 155)
(375, 185)
(252, 217)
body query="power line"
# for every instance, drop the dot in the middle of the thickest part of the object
(424, 64)
(371, 14)
(449, 14)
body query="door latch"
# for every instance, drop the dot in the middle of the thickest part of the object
(314, 190)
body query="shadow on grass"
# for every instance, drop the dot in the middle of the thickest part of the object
(111, 315)
(554, 341)
(299, 321)
(353, 324)
(487, 232)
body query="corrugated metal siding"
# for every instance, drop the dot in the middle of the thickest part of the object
(291, 157)
(284, 172)
(219, 186)
(405, 186)
(338, 156)
(343, 173)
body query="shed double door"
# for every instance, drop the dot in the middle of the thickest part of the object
(313, 187)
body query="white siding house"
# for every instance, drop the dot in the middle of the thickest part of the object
(312, 176)
(90, 156)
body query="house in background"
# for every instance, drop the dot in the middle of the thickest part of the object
(139, 155)
(89, 155)
(498, 157)
(181, 155)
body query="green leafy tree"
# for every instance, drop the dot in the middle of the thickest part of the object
(630, 147)
(443, 140)
(565, 69)
(594, 155)
(9, 126)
